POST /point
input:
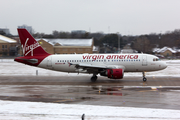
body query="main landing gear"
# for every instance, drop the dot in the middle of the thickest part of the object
(144, 78)
(94, 78)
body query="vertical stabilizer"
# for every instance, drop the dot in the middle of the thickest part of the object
(29, 45)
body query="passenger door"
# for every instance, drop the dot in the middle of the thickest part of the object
(49, 61)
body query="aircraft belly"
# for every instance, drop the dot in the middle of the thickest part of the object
(129, 68)
(64, 68)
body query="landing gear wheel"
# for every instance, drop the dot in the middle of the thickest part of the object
(144, 79)
(93, 78)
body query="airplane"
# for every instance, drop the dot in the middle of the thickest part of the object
(112, 66)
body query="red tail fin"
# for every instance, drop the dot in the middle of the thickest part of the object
(29, 45)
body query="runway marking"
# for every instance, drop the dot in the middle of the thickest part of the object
(147, 90)
(63, 100)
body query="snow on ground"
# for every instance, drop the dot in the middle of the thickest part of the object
(54, 111)
(10, 68)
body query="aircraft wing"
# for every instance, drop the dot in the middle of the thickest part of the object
(102, 66)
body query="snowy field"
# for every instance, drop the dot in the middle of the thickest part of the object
(13, 110)
(10, 68)
(52, 111)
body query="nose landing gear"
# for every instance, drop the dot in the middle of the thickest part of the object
(144, 78)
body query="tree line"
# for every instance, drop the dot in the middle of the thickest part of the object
(141, 43)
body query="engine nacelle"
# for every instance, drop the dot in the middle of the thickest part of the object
(114, 73)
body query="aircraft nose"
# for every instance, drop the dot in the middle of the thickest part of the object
(164, 65)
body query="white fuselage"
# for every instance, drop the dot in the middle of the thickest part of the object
(130, 62)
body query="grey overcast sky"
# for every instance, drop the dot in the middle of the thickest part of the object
(128, 17)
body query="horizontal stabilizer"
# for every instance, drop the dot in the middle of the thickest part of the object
(33, 61)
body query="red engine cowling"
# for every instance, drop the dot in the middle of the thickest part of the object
(115, 73)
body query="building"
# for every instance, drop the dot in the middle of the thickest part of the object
(178, 53)
(7, 46)
(96, 49)
(127, 49)
(4, 31)
(67, 46)
(165, 51)
(28, 28)
(78, 31)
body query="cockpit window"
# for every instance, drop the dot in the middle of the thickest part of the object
(156, 59)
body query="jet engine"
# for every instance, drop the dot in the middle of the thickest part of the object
(113, 73)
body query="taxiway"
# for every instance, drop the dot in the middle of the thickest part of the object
(157, 92)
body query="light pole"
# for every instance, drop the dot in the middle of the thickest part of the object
(118, 43)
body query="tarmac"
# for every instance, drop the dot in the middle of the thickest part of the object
(157, 92)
